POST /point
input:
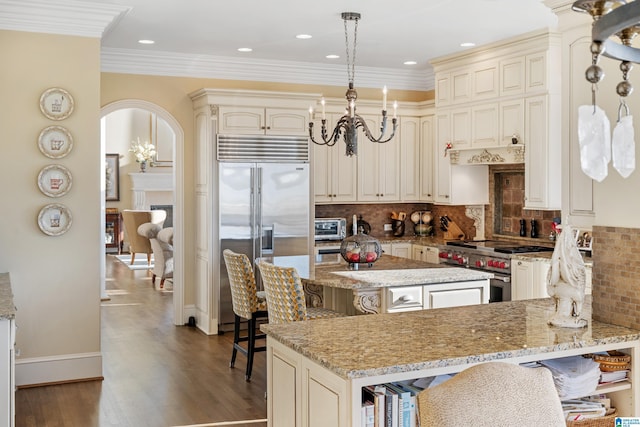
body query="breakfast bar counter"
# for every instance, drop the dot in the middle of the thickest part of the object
(391, 284)
(335, 358)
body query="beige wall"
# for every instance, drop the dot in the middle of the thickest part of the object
(55, 279)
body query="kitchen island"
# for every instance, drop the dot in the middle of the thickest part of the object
(391, 284)
(316, 369)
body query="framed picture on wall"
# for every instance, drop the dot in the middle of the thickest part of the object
(112, 177)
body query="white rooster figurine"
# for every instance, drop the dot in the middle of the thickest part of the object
(566, 281)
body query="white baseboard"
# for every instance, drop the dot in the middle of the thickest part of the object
(58, 369)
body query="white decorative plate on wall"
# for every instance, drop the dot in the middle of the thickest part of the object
(56, 103)
(54, 219)
(55, 142)
(55, 180)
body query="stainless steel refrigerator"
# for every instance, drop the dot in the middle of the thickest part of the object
(264, 206)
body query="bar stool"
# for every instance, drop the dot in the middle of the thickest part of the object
(248, 304)
(285, 296)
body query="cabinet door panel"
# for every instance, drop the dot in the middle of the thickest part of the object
(461, 128)
(461, 87)
(512, 76)
(511, 121)
(485, 125)
(455, 298)
(536, 153)
(427, 135)
(485, 81)
(286, 122)
(410, 158)
(283, 394)
(441, 157)
(242, 120)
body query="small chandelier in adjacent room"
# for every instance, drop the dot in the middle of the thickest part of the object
(349, 123)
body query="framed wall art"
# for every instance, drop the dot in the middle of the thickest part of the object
(112, 177)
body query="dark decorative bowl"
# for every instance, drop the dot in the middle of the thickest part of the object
(360, 249)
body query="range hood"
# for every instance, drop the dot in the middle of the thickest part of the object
(500, 155)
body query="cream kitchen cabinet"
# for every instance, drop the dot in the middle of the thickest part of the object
(529, 278)
(425, 253)
(484, 125)
(485, 80)
(427, 135)
(335, 174)
(455, 184)
(378, 166)
(260, 121)
(511, 121)
(542, 154)
(512, 72)
(410, 152)
(453, 87)
(399, 249)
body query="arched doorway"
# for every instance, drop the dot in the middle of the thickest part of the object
(178, 185)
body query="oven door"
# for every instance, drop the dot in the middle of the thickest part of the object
(500, 288)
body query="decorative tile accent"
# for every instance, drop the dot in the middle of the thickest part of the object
(616, 278)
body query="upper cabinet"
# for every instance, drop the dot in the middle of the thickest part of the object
(378, 166)
(495, 103)
(263, 121)
(335, 174)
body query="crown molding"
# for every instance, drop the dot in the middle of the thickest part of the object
(133, 61)
(67, 17)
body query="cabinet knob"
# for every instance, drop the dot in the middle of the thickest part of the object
(428, 195)
(446, 196)
(519, 262)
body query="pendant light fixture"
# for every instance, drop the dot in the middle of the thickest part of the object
(350, 122)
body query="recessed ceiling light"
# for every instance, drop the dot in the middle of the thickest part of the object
(409, 62)
(145, 41)
(245, 49)
(332, 56)
(304, 36)
(467, 44)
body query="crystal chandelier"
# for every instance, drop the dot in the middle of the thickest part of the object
(350, 122)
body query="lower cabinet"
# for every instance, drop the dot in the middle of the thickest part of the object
(402, 250)
(529, 279)
(456, 294)
(425, 253)
(7, 372)
(305, 394)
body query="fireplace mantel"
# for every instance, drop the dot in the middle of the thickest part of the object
(141, 183)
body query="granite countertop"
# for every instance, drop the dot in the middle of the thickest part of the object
(363, 346)
(7, 309)
(387, 271)
(418, 240)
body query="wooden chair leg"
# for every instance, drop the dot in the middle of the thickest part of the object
(149, 259)
(153, 280)
(251, 345)
(236, 339)
(162, 283)
(133, 258)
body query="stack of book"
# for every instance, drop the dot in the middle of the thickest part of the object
(389, 405)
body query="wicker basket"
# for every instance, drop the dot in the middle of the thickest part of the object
(614, 361)
(605, 421)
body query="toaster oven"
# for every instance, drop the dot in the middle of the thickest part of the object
(330, 228)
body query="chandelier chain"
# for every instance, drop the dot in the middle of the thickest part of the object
(351, 61)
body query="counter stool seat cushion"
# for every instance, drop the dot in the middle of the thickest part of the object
(493, 394)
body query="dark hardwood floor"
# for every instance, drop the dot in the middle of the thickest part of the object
(155, 374)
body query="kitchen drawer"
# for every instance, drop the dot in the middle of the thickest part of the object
(403, 298)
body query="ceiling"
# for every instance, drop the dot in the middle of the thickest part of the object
(209, 32)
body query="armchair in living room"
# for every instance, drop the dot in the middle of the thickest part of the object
(161, 240)
(132, 220)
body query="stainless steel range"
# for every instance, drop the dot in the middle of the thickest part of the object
(489, 255)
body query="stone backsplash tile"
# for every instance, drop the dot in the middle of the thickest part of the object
(616, 278)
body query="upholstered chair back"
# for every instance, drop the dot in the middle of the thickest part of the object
(242, 282)
(493, 394)
(161, 240)
(285, 294)
(135, 218)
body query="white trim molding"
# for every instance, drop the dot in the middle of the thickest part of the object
(67, 17)
(56, 369)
